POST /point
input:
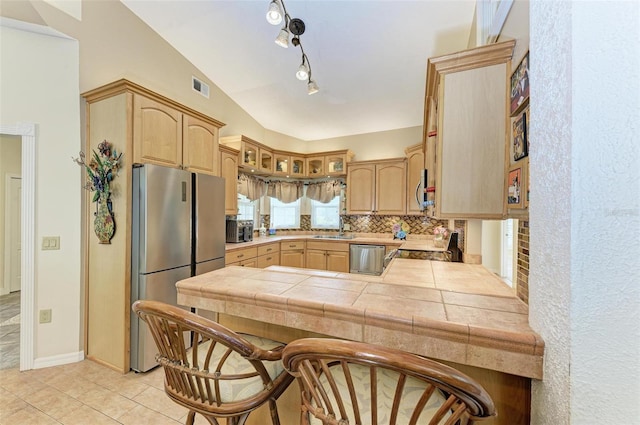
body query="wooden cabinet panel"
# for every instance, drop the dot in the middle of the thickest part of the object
(292, 253)
(268, 260)
(391, 188)
(338, 261)
(200, 146)
(267, 249)
(361, 189)
(415, 166)
(377, 188)
(292, 258)
(240, 255)
(229, 171)
(157, 133)
(315, 166)
(466, 131)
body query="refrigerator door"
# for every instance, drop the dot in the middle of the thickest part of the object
(209, 266)
(209, 218)
(160, 286)
(161, 218)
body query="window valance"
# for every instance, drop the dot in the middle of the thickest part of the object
(251, 187)
(324, 191)
(285, 191)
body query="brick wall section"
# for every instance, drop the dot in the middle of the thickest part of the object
(523, 261)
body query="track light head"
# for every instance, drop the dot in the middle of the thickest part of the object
(283, 38)
(312, 87)
(296, 26)
(274, 14)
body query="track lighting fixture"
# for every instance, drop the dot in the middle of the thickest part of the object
(276, 13)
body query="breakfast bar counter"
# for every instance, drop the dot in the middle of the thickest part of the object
(459, 314)
(454, 312)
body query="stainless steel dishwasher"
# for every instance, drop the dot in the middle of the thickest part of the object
(366, 259)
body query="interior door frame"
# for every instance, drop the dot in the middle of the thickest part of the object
(27, 131)
(7, 235)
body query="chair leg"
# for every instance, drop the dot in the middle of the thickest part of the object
(190, 417)
(273, 408)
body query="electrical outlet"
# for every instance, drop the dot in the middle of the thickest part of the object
(347, 227)
(45, 316)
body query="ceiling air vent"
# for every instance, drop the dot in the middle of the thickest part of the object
(200, 87)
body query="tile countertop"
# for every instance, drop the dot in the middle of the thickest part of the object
(455, 312)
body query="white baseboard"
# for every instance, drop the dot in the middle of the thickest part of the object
(58, 360)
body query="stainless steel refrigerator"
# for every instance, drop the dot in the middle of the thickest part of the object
(178, 230)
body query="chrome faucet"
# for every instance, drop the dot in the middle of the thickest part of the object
(341, 226)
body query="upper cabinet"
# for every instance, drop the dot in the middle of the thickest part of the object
(200, 146)
(329, 164)
(415, 165)
(254, 156)
(166, 134)
(466, 131)
(289, 164)
(377, 187)
(229, 171)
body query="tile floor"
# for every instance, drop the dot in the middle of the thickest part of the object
(84, 393)
(10, 330)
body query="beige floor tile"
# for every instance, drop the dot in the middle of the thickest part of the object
(56, 403)
(158, 400)
(86, 415)
(141, 415)
(31, 416)
(108, 402)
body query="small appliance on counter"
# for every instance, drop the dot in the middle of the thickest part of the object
(239, 230)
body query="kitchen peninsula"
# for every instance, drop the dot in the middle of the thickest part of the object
(457, 313)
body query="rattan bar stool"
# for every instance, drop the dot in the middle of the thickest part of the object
(349, 383)
(225, 375)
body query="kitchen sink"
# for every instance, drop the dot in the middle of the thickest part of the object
(333, 237)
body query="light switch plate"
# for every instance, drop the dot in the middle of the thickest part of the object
(45, 316)
(50, 243)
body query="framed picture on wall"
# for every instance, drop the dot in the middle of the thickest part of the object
(515, 187)
(519, 135)
(520, 86)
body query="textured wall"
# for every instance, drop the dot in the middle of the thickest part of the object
(584, 291)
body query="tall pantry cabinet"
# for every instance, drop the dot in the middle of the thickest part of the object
(147, 128)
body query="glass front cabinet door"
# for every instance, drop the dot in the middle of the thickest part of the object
(266, 161)
(298, 168)
(315, 166)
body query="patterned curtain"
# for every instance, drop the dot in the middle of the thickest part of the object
(285, 191)
(251, 187)
(324, 191)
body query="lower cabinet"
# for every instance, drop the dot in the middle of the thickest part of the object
(330, 256)
(268, 255)
(292, 253)
(246, 257)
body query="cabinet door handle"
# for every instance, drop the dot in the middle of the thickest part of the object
(268, 249)
(292, 246)
(241, 255)
(268, 258)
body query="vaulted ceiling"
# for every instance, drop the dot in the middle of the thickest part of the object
(368, 57)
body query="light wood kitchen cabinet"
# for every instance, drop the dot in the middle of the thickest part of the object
(289, 164)
(157, 133)
(268, 255)
(292, 253)
(246, 257)
(415, 166)
(377, 187)
(329, 164)
(229, 171)
(254, 156)
(469, 91)
(332, 256)
(147, 128)
(200, 146)
(164, 135)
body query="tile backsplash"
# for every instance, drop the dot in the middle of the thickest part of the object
(418, 225)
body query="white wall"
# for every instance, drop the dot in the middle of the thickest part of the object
(39, 80)
(492, 245)
(584, 281)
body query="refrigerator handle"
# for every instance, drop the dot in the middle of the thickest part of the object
(184, 191)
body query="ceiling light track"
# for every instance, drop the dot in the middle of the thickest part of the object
(276, 14)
